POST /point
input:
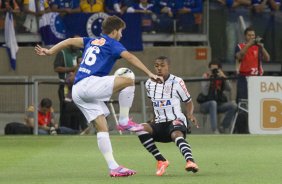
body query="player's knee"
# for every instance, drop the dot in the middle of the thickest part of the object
(122, 82)
(176, 134)
(125, 81)
(128, 81)
(147, 128)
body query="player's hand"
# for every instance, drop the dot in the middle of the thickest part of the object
(41, 51)
(194, 121)
(156, 78)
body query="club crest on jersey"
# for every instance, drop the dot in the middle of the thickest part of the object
(162, 103)
(167, 89)
(94, 24)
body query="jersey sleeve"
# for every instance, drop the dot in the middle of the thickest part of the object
(182, 91)
(86, 40)
(118, 48)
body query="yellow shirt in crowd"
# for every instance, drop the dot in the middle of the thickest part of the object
(86, 7)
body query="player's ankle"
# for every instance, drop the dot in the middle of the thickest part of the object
(123, 121)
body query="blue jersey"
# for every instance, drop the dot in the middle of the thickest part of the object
(100, 54)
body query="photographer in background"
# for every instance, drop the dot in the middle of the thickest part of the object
(213, 100)
(46, 120)
(249, 57)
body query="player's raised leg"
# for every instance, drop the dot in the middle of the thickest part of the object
(126, 89)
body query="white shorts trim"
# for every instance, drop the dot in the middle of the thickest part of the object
(90, 93)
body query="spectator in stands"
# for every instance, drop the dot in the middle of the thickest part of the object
(9, 5)
(249, 56)
(92, 6)
(146, 10)
(165, 10)
(238, 14)
(34, 9)
(214, 100)
(263, 21)
(189, 15)
(72, 117)
(65, 6)
(46, 120)
(65, 62)
(166, 7)
(117, 6)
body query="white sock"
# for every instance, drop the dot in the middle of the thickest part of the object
(125, 99)
(105, 146)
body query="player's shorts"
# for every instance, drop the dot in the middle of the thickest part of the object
(162, 131)
(90, 95)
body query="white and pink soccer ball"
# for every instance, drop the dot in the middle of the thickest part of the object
(125, 72)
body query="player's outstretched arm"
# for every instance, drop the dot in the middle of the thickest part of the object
(132, 59)
(190, 113)
(76, 42)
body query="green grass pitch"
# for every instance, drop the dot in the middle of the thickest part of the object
(223, 159)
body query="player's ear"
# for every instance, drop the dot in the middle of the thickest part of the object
(114, 32)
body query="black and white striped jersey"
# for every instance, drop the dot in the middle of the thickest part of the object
(166, 98)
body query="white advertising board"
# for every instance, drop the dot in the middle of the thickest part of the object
(265, 105)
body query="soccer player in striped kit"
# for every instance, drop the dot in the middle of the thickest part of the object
(170, 124)
(93, 86)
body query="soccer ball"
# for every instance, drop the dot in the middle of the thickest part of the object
(125, 72)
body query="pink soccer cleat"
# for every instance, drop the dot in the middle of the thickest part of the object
(131, 126)
(121, 172)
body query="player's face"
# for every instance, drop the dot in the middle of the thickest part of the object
(161, 67)
(250, 35)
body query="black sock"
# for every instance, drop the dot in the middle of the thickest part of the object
(149, 144)
(184, 148)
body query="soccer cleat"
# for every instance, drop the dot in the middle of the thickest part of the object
(161, 167)
(131, 126)
(121, 172)
(191, 166)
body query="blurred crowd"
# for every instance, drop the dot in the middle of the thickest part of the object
(187, 12)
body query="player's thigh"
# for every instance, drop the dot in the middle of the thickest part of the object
(91, 109)
(94, 88)
(121, 83)
(161, 132)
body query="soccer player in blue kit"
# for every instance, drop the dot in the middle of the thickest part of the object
(93, 86)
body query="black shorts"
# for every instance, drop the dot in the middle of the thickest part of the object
(162, 131)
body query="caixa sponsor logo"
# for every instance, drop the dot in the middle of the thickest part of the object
(162, 103)
(271, 113)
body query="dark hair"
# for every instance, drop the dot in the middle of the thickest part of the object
(215, 62)
(46, 102)
(163, 58)
(248, 29)
(112, 23)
